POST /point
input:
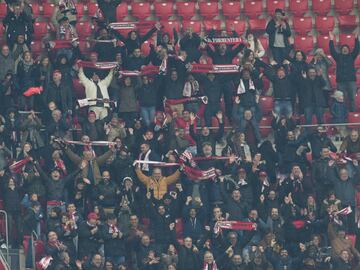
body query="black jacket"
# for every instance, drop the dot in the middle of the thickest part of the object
(88, 243)
(61, 95)
(148, 94)
(345, 68)
(312, 92)
(271, 30)
(113, 247)
(21, 25)
(190, 44)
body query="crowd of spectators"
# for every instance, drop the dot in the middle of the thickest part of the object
(170, 170)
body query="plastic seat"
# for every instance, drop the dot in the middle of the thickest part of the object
(321, 7)
(196, 25)
(84, 29)
(186, 9)
(80, 9)
(239, 26)
(324, 24)
(163, 10)
(272, 5)
(357, 61)
(302, 25)
(266, 104)
(141, 10)
(347, 39)
(35, 9)
(347, 22)
(298, 7)
(47, 10)
(231, 9)
(332, 79)
(40, 30)
(265, 121)
(257, 24)
(209, 10)
(252, 9)
(3, 10)
(2, 31)
(92, 8)
(322, 42)
(145, 48)
(79, 89)
(304, 43)
(36, 48)
(343, 7)
(353, 117)
(168, 26)
(212, 24)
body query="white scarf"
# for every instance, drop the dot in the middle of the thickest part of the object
(191, 89)
(145, 166)
(213, 267)
(241, 88)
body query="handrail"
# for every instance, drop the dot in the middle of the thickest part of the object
(4, 261)
(6, 234)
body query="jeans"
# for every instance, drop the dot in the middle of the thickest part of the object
(349, 90)
(279, 54)
(318, 111)
(283, 107)
(147, 114)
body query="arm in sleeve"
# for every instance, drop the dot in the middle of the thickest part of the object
(333, 52)
(355, 51)
(109, 77)
(171, 179)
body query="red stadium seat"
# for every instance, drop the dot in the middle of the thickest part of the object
(168, 26)
(357, 62)
(141, 10)
(353, 117)
(298, 7)
(343, 7)
(79, 89)
(80, 9)
(196, 25)
(40, 30)
(231, 9)
(209, 10)
(321, 7)
(358, 80)
(145, 48)
(304, 43)
(47, 10)
(323, 43)
(2, 31)
(332, 79)
(352, 238)
(252, 9)
(324, 24)
(272, 5)
(239, 26)
(347, 22)
(3, 9)
(36, 48)
(302, 25)
(257, 24)
(92, 9)
(179, 228)
(35, 9)
(266, 104)
(357, 102)
(347, 39)
(121, 11)
(212, 24)
(163, 10)
(265, 121)
(186, 9)
(84, 29)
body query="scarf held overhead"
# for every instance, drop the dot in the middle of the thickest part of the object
(234, 225)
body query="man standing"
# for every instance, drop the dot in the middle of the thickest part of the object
(59, 92)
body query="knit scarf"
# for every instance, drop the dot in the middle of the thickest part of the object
(145, 166)
(130, 26)
(203, 99)
(17, 166)
(233, 225)
(222, 40)
(209, 68)
(213, 266)
(191, 88)
(113, 229)
(241, 88)
(97, 65)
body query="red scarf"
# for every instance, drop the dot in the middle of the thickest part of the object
(61, 44)
(97, 65)
(223, 40)
(131, 26)
(17, 166)
(113, 229)
(233, 225)
(59, 163)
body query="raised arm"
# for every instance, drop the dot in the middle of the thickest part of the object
(109, 77)
(171, 179)
(82, 77)
(355, 51)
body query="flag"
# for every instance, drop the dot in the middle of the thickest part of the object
(33, 91)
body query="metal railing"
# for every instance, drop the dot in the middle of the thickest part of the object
(3, 212)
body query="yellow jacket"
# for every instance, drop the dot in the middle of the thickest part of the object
(161, 186)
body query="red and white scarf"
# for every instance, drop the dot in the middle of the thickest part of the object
(17, 166)
(93, 143)
(213, 266)
(61, 44)
(206, 68)
(97, 65)
(168, 102)
(223, 40)
(234, 225)
(343, 212)
(241, 88)
(131, 26)
(113, 229)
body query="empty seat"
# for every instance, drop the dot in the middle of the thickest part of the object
(265, 126)
(324, 24)
(36, 48)
(163, 10)
(347, 22)
(343, 7)
(252, 9)
(195, 25)
(35, 9)
(40, 30)
(140, 10)
(347, 39)
(47, 10)
(239, 26)
(92, 9)
(353, 118)
(322, 42)
(231, 9)
(84, 29)
(266, 104)
(272, 5)
(186, 9)
(80, 10)
(257, 24)
(3, 9)
(302, 25)
(298, 7)
(209, 10)
(168, 26)
(304, 43)
(357, 61)
(212, 24)
(121, 11)
(321, 7)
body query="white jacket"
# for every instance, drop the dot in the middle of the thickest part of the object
(90, 87)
